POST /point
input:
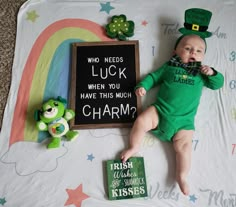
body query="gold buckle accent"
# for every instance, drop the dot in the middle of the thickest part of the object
(195, 27)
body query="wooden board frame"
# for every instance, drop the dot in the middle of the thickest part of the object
(77, 59)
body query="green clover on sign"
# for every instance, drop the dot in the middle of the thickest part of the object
(120, 28)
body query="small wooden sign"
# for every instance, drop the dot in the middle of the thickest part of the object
(103, 78)
(126, 180)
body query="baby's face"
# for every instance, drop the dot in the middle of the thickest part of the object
(191, 49)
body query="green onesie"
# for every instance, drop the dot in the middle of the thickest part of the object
(178, 97)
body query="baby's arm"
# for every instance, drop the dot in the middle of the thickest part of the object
(213, 79)
(140, 91)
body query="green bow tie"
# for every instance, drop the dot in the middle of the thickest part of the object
(193, 68)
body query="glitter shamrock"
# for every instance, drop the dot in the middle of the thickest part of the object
(115, 183)
(120, 28)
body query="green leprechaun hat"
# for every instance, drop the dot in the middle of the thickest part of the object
(196, 22)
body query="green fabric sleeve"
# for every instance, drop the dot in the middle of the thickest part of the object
(215, 81)
(152, 79)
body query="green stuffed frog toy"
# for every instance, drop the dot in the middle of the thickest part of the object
(53, 117)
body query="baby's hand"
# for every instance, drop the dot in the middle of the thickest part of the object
(140, 91)
(206, 70)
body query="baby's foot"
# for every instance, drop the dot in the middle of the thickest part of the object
(183, 186)
(126, 154)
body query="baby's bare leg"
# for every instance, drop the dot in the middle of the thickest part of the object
(183, 148)
(146, 121)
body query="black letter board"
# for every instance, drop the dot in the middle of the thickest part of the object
(103, 78)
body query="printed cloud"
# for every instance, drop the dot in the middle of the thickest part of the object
(30, 157)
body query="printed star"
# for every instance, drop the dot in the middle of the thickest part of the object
(106, 7)
(144, 23)
(32, 16)
(2, 201)
(76, 196)
(90, 157)
(192, 198)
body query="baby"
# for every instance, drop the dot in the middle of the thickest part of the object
(171, 117)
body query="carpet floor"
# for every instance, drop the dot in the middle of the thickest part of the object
(8, 23)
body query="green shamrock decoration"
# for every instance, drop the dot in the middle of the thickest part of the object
(120, 28)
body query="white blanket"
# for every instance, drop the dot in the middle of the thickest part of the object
(74, 174)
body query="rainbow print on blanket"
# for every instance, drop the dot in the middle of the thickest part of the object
(46, 73)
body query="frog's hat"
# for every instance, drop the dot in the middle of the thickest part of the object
(197, 22)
